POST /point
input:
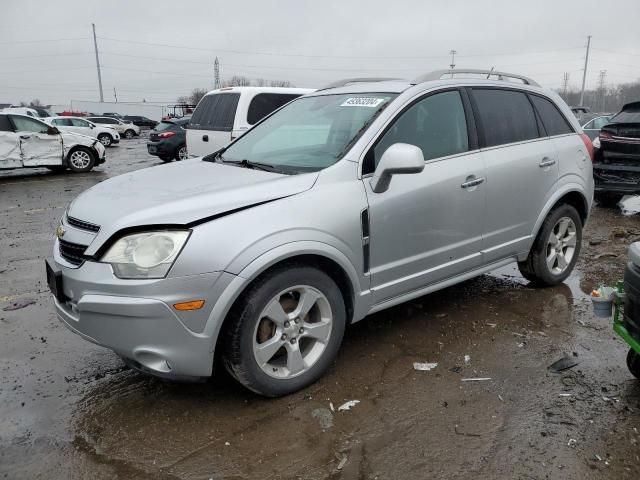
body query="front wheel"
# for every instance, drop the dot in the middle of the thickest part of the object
(129, 134)
(287, 329)
(633, 362)
(81, 160)
(555, 251)
(105, 139)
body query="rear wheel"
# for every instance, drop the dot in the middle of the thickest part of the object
(633, 362)
(105, 139)
(287, 329)
(81, 159)
(556, 248)
(181, 153)
(129, 134)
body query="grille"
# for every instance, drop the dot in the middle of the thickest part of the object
(82, 225)
(72, 252)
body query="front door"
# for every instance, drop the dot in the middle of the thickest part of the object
(10, 156)
(38, 148)
(427, 227)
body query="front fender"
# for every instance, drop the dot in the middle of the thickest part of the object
(273, 256)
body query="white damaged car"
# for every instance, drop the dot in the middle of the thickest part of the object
(29, 142)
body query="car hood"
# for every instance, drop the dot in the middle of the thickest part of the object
(180, 193)
(71, 139)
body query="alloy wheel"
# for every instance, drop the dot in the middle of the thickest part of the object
(80, 159)
(292, 332)
(182, 153)
(561, 245)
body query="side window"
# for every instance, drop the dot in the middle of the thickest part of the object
(28, 124)
(215, 112)
(506, 116)
(264, 103)
(437, 124)
(78, 122)
(600, 122)
(553, 121)
(62, 122)
(590, 124)
(5, 125)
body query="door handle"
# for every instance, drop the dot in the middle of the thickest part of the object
(472, 183)
(205, 138)
(546, 162)
(24, 137)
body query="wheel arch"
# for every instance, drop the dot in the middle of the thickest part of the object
(339, 269)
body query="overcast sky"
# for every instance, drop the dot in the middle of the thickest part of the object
(46, 48)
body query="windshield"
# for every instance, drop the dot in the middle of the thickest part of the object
(310, 133)
(626, 116)
(163, 125)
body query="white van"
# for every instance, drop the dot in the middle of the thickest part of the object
(226, 113)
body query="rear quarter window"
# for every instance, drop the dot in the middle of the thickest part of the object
(554, 122)
(264, 103)
(506, 116)
(215, 112)
(5, 125)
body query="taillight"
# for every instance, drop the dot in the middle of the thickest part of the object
(588, 145)
(166, 134)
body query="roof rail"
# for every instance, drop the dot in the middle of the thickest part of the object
(438, 74)
(347, 81)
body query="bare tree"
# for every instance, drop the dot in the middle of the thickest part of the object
(260, 82)
(237, 81)
(196, 95)
(280, 83)
(35, 103)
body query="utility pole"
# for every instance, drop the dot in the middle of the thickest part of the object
(584, 73)
(565, 85)
(95, 45)
(601, 87)
(115, 94)
(216, 73)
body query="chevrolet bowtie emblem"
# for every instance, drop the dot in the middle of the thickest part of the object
(60, 231)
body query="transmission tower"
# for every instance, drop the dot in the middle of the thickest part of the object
(565, 85)
(216, 73)
(601, 88)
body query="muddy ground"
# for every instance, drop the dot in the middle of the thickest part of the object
(70, 409)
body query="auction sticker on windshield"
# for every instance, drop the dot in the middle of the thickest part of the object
(362, 102)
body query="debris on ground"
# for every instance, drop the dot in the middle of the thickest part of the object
(348, 405)
(467, 359)
(342, 463)
(324, 416)
(562, 364)
(465, 434)
(18, 304)
(630, 204)
(479, 379)
(425, 367)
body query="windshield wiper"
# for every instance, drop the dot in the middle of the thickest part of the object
(266, 167)
(215, 156)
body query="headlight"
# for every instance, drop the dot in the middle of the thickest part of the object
(145, 255)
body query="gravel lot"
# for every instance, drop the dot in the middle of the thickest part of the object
(70, 409)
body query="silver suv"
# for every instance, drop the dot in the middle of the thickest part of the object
(344, 202)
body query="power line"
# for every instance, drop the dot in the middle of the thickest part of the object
(46, 55)
(45, 41)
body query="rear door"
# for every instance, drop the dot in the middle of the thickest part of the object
(521, 165)
(211, 124)
(10, 156)
(81, 126)
(38, 147)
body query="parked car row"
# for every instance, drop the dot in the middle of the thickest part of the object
(29, 142)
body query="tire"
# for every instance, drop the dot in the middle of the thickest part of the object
(181, 153)
(81, 160)
(291, 355)
(105, 139)
(633, 362)
(547, 263)
(166, 159)
(129, 134)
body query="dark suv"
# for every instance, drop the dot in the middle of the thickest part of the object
(168, 140)
(140, 121)
(617, 167)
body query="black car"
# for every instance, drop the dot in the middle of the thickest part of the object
(616, 169)
(140, 121)
(168, 139)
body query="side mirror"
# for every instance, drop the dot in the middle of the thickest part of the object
(398, 159)
(52, 131)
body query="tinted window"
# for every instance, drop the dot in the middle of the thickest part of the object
(626, 116)
(164, 125)
(553, 121)
(108, 121)
(62, 122)
(27, 124)
(264, 103)
(215, 112)
(5, 125)
(506, 116)
(600, 122)
(437, 124)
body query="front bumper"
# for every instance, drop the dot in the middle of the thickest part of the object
(135, 318)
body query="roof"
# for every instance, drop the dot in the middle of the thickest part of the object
(262, 90)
